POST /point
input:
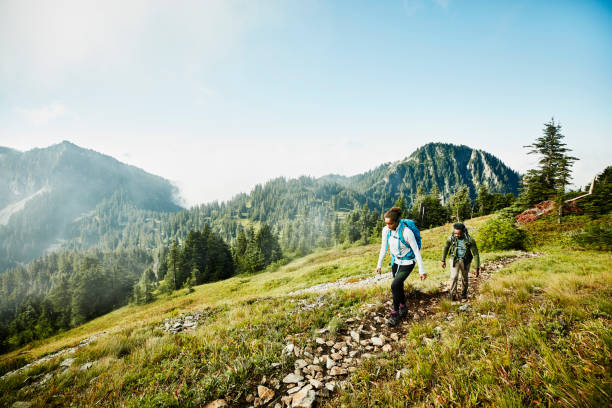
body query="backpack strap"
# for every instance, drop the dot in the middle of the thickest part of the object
(400, 235)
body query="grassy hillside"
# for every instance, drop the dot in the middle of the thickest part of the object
(545, 338)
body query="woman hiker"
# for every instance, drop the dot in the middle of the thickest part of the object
(404, 251)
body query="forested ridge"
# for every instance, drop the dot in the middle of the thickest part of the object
(156, 252)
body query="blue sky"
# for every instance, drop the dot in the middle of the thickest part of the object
(218, 96)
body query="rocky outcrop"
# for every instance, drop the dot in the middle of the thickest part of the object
(66, 363)
(186, 321)
(544, 208)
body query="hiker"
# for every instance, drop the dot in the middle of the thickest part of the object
(462, 250)
(404, 251)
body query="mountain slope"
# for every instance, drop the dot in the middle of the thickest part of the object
(68, 197)
(42, 191)
(537, 331)
(444, 165)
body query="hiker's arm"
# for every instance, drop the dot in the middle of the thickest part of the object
(411, 240)
(383, 249)
(474, 249)
(445, 251)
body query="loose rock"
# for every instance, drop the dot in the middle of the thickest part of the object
(292, 379)
(377, 341)
(220, 403)
(304, 399)
(265, 394)
(337, 371)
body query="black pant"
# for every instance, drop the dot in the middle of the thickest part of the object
(397, 286)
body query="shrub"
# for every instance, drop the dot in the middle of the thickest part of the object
(500, 233)
(597, 235)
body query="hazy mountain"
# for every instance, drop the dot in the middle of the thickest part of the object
(42, 191)
(66, 196)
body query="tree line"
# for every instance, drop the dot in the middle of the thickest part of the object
(63, 290)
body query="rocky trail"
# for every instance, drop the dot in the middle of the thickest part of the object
(324, 364)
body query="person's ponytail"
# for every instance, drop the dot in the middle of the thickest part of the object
(394, 214)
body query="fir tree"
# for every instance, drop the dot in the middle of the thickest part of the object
(554, 166)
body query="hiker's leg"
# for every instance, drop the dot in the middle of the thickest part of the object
(464, 277)
(454, 275)
(397, 286)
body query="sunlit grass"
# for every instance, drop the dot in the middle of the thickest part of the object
(538, 333)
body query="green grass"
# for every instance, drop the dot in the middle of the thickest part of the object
(548, 343)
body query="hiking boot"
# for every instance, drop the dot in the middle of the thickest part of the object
(403, 311)
(453, 297)
(393, 319)
(464, 296)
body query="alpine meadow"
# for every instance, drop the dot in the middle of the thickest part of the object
(270, 299)
(305, 204)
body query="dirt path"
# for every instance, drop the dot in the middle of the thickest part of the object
(323, 365)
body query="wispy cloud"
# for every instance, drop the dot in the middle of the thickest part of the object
(414, 6)
(442, 3)
(45, 114)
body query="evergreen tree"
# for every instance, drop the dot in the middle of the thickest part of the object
(401, 203)
(459, 204)
(485, 201)
(174, 260)
(600, 202)
(554, 166)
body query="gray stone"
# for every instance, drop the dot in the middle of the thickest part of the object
(21, 404)
(304, 399)
(86, 366)
(337, 371)
(292, 379)
(330, 363)
(377, 341)
(293, 390)
(301, 363)
(316, 383)
(67, 362)
(387, 348)
(331, 386)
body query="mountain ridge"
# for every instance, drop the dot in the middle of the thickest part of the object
(43, 190)
(117, 205)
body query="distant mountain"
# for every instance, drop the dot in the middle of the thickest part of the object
(43, 191)
(445, 165)
(68, 197)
